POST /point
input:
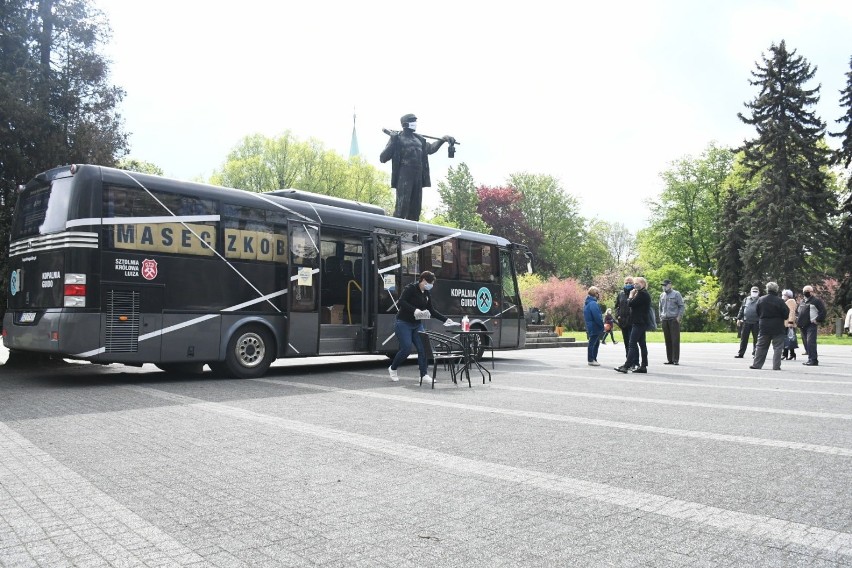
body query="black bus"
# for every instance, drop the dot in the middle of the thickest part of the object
(112, 266)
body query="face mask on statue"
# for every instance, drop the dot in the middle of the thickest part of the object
(427, 286)
(412, 126)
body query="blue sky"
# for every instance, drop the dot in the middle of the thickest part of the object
(603, 97)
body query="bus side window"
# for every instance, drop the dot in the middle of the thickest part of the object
(441, 258)
(478, 262)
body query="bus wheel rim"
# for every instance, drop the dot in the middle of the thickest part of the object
(250, 350)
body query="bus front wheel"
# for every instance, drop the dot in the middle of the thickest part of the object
(251, 351)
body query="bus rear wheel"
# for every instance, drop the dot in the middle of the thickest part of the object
(251, 351)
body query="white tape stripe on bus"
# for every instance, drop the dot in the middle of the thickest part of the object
(255, 301)
(202, 241)
(389, 268)
(143, 220)
(751, 525)
(287, 209)
(424, 245)
(187, 323)
(430, 243)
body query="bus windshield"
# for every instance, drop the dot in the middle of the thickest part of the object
(43, 209)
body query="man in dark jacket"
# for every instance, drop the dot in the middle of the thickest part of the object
(622, 312)
(811, 314)
(747, 317)
(410, 166)
(772, 313)
(640, 305)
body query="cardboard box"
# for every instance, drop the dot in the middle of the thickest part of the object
(336, 313)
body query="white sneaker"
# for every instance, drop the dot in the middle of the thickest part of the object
(428, 379)
(594, 364)
(394, 376)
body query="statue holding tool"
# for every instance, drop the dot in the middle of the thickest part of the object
(409, 155)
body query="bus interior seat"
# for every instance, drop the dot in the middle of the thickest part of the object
(332, 277)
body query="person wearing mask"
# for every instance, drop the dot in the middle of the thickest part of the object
(748, 321)
(640, 304)
(671, 309)
(811, 314)
(415, 306)
(772, 314)
(594, 325)
(609, 323)
(790, 342)
(622, 312)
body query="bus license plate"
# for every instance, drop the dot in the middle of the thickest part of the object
(27, 317)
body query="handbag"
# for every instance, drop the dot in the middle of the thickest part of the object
(790, 342)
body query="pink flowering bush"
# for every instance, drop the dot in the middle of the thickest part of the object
(562, 301)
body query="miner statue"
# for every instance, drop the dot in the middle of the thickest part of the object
(409, 155)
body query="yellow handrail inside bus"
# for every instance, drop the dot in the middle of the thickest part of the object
(349, 297)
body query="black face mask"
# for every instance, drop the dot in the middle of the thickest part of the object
(807, 294)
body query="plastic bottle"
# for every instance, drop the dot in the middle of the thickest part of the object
(465, 323)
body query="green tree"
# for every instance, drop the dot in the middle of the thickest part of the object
(787, 226)
(684, 219)
(843, 157)
(261, 164)
(555, 214)
(141, 166)
(619, 241)
(56, 103)
(459, 200)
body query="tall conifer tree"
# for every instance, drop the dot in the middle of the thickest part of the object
(730, 270)
(843, 157)
(787, 221)
(57, 105)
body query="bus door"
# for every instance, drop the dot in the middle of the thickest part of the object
(513, 325)
(387, 279)
(304, 261)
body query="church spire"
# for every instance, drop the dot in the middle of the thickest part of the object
(353, 146)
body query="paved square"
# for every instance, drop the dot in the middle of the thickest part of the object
(325, 462)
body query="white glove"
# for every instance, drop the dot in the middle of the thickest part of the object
(422, 314)
(450, 323)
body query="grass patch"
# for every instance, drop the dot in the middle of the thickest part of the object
(713, 337)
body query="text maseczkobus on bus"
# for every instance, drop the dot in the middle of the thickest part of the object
(112, 266)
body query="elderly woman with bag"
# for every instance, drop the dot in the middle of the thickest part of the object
(790, 342)
(609, 324)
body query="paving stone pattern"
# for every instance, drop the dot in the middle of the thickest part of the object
(325, 462)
